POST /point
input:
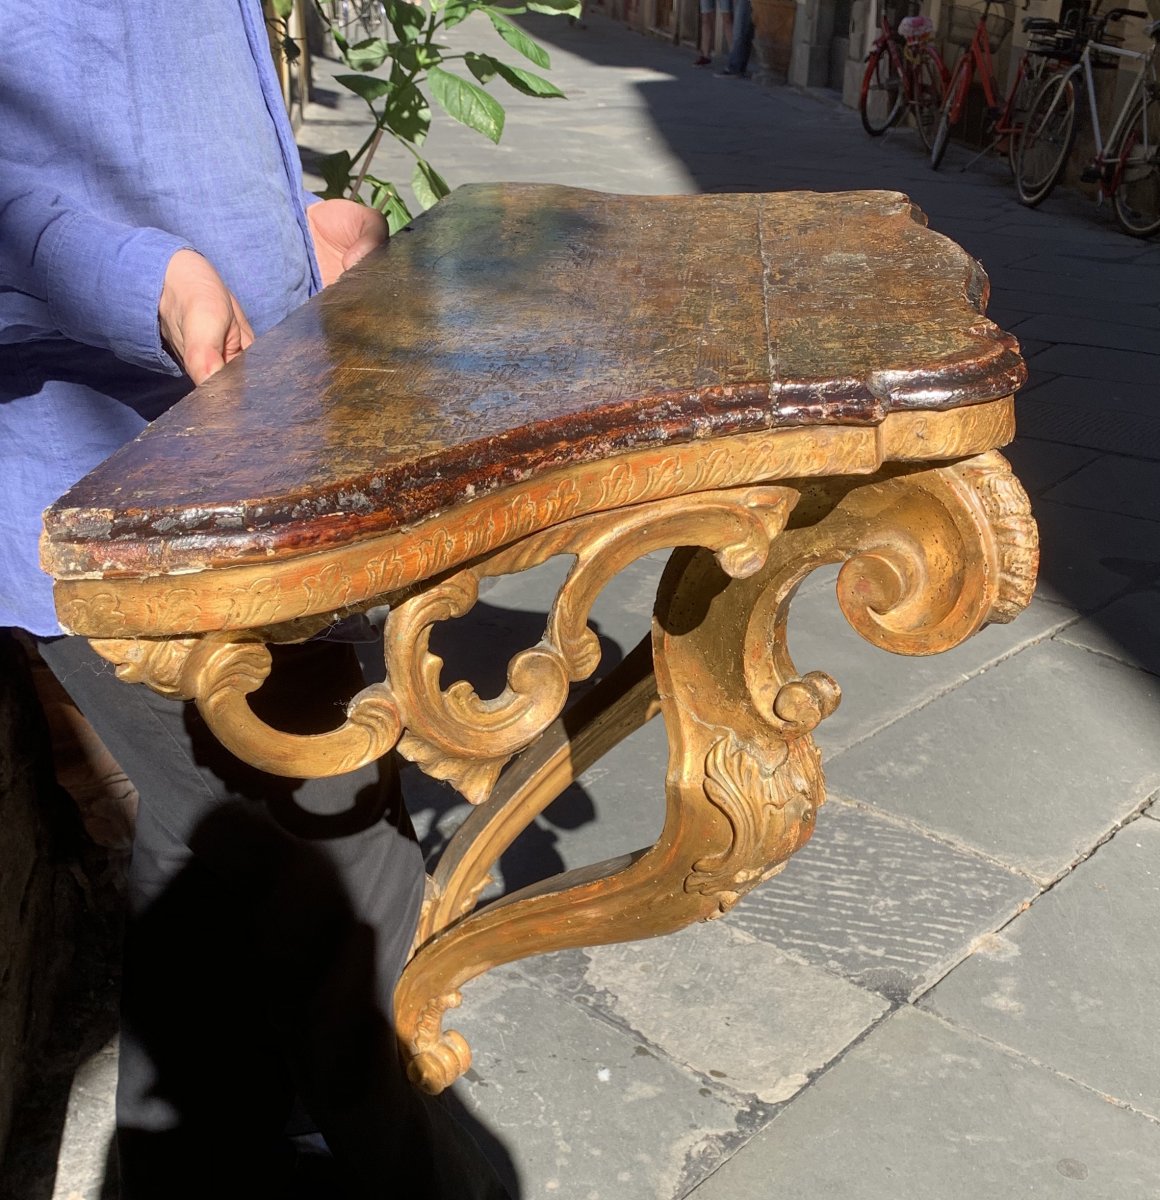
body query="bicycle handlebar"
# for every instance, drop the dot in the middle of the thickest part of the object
(1116, 14)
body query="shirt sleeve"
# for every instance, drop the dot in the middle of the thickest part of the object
(98, 281)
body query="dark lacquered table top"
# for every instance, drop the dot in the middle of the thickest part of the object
(518, 327)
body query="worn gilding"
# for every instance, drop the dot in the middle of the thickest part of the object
(536, 372)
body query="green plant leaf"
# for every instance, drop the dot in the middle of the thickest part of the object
(482, 66)
(408, 115)
(526, 82)
(467, 103)
(458, 10)
(414, 56)
(366, 86)
(283, 8)
(385, 197)
(409, 21)
(564, 8)
(335, 169)
(428, 185)
(367, 55)
(518, 40)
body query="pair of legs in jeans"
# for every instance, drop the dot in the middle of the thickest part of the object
(742, 44)
(268, 922)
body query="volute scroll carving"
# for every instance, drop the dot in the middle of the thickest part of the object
(744, 779)
(455, 735)
(218, 674)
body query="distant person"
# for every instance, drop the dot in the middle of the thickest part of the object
(741, 47)
(708, 10)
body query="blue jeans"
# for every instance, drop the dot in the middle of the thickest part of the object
(742, 37)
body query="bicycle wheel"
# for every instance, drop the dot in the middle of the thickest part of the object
(1020, 107)
(1046, 140)
(952, 109)
(1136, 199)
(927, 84)
(881, 99)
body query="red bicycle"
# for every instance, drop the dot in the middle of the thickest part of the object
(1049, 44)
(903, 71)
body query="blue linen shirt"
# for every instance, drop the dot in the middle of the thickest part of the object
(129, 129)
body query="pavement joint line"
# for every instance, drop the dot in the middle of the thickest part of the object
(1081, 467)
(1093, 508)
(893, 1006)
(953, 685)
(944, 839)
(1097, 453)
(1044, 889)
(586, 1000)
(1020, 1056)
(1103, 653)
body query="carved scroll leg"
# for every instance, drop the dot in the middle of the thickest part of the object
(616, 707)
(931, 555)
(659, 890)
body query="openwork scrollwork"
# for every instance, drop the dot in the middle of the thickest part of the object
(454, 734)
(929, 555)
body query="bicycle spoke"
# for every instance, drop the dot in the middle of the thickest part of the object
(882, 98)
(1136, 199)
(1046, 141)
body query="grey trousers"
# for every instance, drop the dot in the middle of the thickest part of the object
(268, 922)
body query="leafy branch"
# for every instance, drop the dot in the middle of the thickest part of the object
(399, 103)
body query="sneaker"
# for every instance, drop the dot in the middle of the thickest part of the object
(702, 60)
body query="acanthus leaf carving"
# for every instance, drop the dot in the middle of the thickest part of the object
(769, 807)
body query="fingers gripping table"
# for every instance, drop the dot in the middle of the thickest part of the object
(536, 371)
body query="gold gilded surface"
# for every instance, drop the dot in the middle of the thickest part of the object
(535, 372)
(314, 587)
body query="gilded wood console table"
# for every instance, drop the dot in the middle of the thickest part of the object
(536, 371)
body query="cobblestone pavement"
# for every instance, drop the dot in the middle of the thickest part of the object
(951, 992)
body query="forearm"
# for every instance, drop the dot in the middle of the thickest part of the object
(84, 277)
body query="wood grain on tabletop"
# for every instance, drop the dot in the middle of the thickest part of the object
(517, 327)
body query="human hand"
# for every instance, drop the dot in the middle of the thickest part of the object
(201, 319)
(344, 231)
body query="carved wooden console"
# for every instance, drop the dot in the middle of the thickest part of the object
(537, 371)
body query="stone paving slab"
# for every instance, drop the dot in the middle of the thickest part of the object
(582, 1109)
(919, 1109)
(1091, 287)
(1087, 331)
(1048, 303)
(721, 1003)
(1031, 762)
(1095, 362)
(1089, 424)
(880, 903)
(1040, 465)
(1088, 558)
(1114, 484)
(1072, 983)
(1144, 289)
(1136, 398)
(879, 687)
(1128, 629)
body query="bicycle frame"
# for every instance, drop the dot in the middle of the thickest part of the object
(978, 54)
(1084, 67)
(905, 55)
(1003, 123)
